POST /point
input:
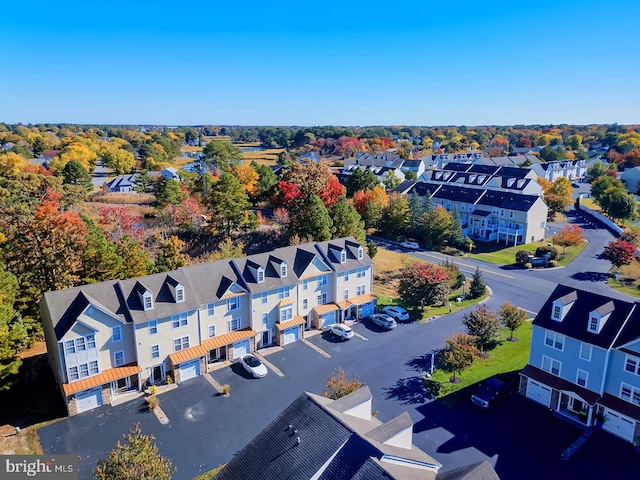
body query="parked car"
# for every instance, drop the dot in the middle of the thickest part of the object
(410, 245)
(341, 331)
(492, 390)
(383, 321)
(399, 313)
(253, 365)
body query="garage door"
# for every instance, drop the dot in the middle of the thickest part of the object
(328, 319)
(367, 309)
(291, 335)
(89, 399)
(619, 425)
(538, 392)
(189, 369)
(240, 349)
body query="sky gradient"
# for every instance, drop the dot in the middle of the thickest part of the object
(325, 63)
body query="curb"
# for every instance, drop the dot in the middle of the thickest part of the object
(316, 348)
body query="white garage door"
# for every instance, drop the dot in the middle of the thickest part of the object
(189, 369)
(291, 335)
(240, 349)
(89, 399)
(619, 425)
(538, 392)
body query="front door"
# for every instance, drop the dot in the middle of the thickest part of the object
(156, 375)
(265, 338)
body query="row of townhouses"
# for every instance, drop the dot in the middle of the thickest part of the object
(500, 204)
(111, 338)
(584, 361)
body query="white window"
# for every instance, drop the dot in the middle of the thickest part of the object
(81, 346)
(211, 309)
(593, 324)
(360, 253)
(322, 299)
(91, 341)
(180, 343)
(84, 370)
(346, 293)
(179, 320)
(116, 334)
(233, 304)
(510, 213)
(234, 324)
(305, 303)
(554, 340)
(73, 374)
(265, 297)
(179, 295)
(265, 318)
(305, 284)
(286, 313)
(556, 311)
(148, 302)
(343, 256)
(362, 272)
(211, 331)
(283, 270)
(260, 275)
(585, 351)
(630, 394)
(550, 365)
(93, 368)
(581, 378)
(70, 347)
(632, 365)
(153, 327)
(283, 292)
(346, 276)
(322, 280)
(360, 290)
(155, 351)
(118, 358)
(502, 212)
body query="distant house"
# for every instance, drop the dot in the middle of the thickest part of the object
(416, 166)
(170, 173)
(631, 179)
(311, 156)
(122, 183)
(571, 169)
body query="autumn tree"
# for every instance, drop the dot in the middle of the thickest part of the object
(120, 160)
(77, 151)
(459, 352)
(171, 255)
(331, 192)
(558, 195)
(512, 317)
(478, 286)
(227, 249)
(169, 192)
(619, 253)
(424, 284)
(117, 222)
(136, 261)
(310, 176)
(135, 459)
(13, 334)
(248, 178)
(391, 180)
(227, 202)
(395, 217)
(360, 179)
(435, 227)
(484, 325)
(346, 221)
(571, 235)
(339, 384)
(12, 163)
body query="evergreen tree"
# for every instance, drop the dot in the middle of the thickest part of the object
(346, 221)
(456, 237)
(395, 217)
(13, 334)
(314, 222)
(227, 202)
(267, 180)
(170, 256)
(74, 173)
(478, 286)
(136, 261)
(416, 208)
(372, 248)
(100, 259)
(135, 459)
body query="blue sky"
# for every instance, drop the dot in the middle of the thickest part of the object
(321, 63)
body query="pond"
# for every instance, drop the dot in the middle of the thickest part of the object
(251, 149)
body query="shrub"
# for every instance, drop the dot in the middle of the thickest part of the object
(528, 266)
(542, 251)
(552, 263)
(522, 256)
(153, 402)
(225, 389)
(153, 389)
(169, 379)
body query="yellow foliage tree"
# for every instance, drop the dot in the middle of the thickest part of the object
(247, 176)
(79, 152)
(11, 163)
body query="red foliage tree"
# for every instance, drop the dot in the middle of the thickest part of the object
(331, 192)
(620, 252)
(118, 223)
(287, 194)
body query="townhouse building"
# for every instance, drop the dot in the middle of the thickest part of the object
(584, 361)
(571, 169)
(112, 338)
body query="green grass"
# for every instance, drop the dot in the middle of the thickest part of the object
(629, 281)
(210, 474)
(507, 256)
(505, 357)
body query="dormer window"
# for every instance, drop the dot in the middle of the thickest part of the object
(593, 324)
(283, 270)
(343, 256)
(147, 299)
(556, 312)
(360, 253)
(179, 294)
(260, 275)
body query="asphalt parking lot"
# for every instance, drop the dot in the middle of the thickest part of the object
(522, 439)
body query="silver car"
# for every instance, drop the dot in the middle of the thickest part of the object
(383, 321)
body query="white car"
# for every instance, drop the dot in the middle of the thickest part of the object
(399, 313)
(410, 245)
(253, 365)
(342, 331)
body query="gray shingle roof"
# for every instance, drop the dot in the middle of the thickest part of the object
(391, 428)
(476, 471)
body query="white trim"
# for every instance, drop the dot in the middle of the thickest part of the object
(582, 346)
(116, 329)
(552, 361)
(586, 377)
(115, 358)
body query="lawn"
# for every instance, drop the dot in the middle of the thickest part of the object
(629, 281)
(505, 357)
(507, 256)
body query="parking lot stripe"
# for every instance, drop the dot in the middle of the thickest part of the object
(275, 369)
(316, 348)
(213, 382)
(361, 336)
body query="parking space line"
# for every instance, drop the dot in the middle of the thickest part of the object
(316, 348)
(213, 382)
(270, 365)
(362, 337)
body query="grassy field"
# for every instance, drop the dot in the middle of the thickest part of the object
(267, 157)
(488, 252)
(629, 281)
(505, 357)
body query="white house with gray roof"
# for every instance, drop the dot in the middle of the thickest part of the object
(111, 338)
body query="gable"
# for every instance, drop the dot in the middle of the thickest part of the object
(78, 329)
